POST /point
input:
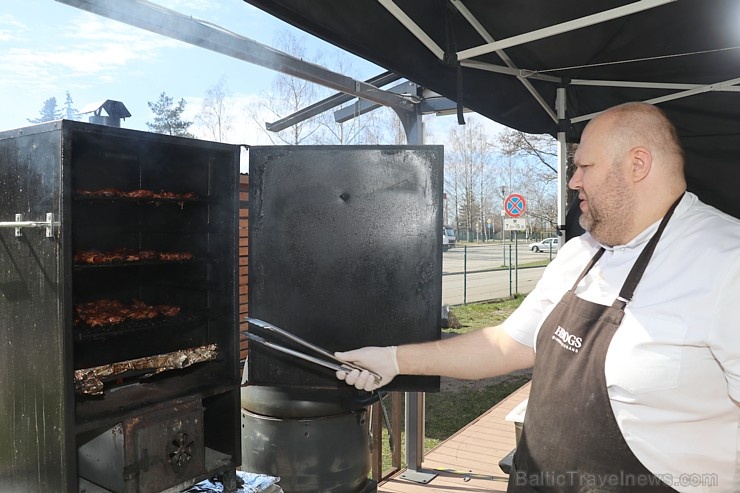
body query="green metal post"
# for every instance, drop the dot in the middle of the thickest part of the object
(465, 275)
(516, 257)
(510, 267)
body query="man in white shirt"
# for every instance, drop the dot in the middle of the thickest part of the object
(632, 330)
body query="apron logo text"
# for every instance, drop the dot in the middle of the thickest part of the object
(567, 340)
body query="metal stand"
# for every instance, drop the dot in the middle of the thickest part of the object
(415, 440)
(421, 476)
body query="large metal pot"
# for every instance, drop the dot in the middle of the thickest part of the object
(330, 454)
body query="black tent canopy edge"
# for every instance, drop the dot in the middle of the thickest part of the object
(686, 52)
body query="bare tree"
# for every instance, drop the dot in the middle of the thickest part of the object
(383, 126)
(214, 117)
(467, 165)
(290, 94)
(361, 128)
(543, 147)
(531, 171)
(480, 171)
(287, 95)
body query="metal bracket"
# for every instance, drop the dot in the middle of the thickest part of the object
(419, 476)
(19, 224)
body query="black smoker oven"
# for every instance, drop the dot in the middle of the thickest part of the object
(118, 310)
(344, 251)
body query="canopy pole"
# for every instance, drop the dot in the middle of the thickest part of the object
(413, 125)
(560, 106)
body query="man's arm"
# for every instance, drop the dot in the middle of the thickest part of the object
(479, 354)
(483, 353)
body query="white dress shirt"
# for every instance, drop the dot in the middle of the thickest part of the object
(673, 366)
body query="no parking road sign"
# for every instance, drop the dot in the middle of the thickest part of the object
(515, 205)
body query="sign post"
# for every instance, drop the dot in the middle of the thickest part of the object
(515, 205)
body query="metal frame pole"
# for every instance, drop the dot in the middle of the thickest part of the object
(465, 275)
(560, 103)
(516, 262)
(413, 125)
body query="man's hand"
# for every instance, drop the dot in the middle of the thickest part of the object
(381, 360)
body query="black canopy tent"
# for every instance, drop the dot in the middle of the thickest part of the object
(506, 60)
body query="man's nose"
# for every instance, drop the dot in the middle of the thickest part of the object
(575, 181)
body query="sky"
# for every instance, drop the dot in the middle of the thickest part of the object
(48, 48)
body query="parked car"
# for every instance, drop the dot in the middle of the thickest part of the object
(546, 245)
(448, 238)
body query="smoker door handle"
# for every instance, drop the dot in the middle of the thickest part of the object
(19, 223)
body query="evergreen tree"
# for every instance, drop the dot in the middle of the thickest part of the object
(168, 117)
(70, 112)
(48, 112)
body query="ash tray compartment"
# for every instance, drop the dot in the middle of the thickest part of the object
(151, 452)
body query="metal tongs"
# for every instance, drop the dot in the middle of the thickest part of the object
(335, 363)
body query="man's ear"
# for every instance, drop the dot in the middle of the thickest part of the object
(642, 162)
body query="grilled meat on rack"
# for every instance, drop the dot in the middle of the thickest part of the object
(137, 194)
(110, 312)
(95, 257)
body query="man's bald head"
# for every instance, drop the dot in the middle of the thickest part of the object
(642, 124)
(629, 170)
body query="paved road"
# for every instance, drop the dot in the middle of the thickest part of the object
(481, 284)
(488, 256)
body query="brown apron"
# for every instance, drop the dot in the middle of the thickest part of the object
(571, 441)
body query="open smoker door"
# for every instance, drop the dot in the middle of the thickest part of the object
(345, 252)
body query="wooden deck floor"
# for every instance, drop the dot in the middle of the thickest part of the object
(468, 460)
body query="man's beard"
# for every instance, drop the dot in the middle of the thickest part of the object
(610, 209)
